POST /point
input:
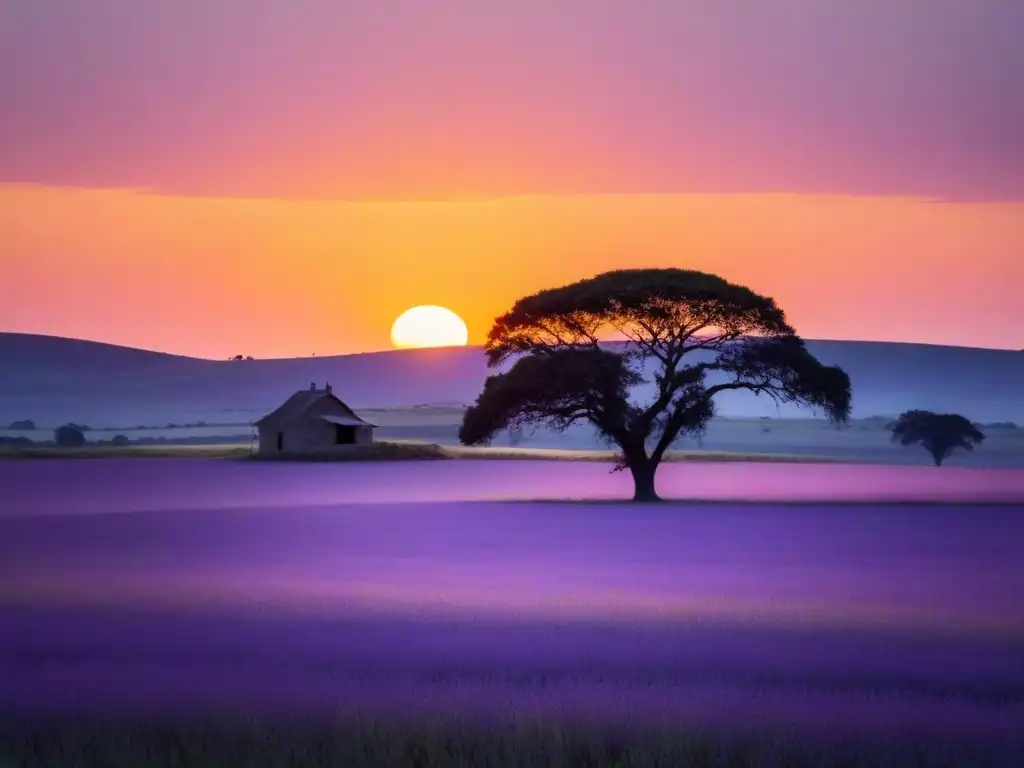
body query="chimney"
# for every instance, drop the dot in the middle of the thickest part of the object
(327, 388)
(312, 386)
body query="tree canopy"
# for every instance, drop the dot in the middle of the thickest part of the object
(69, 436)
(680, 329)
(938, 433)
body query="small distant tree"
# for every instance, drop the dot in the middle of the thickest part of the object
(938, 433)
(69, 436)
(120, 440)
(692, 335)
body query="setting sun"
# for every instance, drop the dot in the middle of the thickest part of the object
(429, 326)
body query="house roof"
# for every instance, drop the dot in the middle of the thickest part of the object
(300, 402)
(347, 421)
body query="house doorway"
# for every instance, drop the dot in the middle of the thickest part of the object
(344, 435)
(280, 442)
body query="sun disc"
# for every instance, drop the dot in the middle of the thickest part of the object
(429, 325)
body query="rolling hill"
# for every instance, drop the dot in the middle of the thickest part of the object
(53, 380)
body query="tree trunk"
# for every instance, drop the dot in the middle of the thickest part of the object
(643, 470)
(938, 450)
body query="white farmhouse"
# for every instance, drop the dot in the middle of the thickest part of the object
(310, 421)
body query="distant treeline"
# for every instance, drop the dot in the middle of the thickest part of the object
(122, 440)
(26, 425)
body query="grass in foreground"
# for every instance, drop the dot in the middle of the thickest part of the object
(253, 744)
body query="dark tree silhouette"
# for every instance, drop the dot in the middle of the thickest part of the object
(69, 436)
(683, 327)
(938, 433)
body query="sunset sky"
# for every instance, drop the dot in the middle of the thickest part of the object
(283, 177)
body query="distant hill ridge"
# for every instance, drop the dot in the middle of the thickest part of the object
(47, 378)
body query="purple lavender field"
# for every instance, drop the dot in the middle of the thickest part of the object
(172, 587)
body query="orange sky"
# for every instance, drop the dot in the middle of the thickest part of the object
(215, 277)
(796, 146)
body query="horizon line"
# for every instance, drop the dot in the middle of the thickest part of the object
(439, 349)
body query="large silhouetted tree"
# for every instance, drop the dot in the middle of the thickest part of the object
(690, 334)
(938, 433)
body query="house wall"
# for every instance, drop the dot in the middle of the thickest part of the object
(268, 440)
(309, 433)
(331, 407)
(300, 436)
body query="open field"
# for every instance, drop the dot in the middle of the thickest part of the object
(68, 486)
(569, 454)
(428, 613)
(223, 451)
(382, 451)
